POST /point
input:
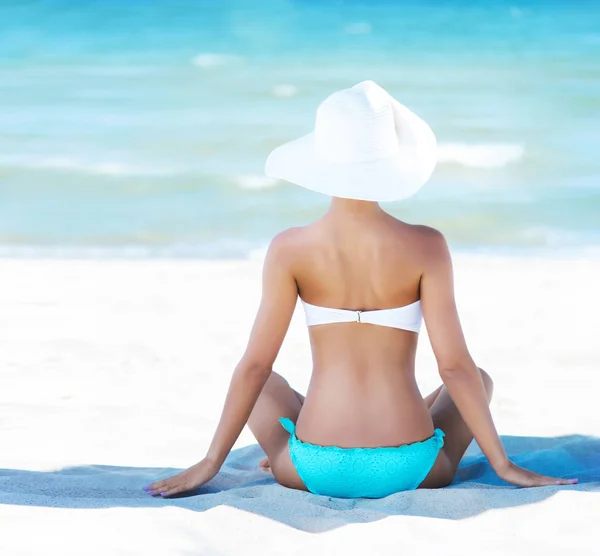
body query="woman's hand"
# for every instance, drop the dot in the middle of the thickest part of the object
(512, 473)
(185, 481)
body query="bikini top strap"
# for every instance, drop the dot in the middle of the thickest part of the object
(287, 424)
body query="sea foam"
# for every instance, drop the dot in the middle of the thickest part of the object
(83, 166)
(212, 60)
(285, 91)
(479, 156)
(256, 181)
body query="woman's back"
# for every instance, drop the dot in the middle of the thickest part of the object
(363, 390)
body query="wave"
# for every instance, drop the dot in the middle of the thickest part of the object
(532, 242)
(479, 156)
(285, 91)
(258, 253)
(181, 175)
(213, 60)
(228, 249)
(88, 167)
(255, 181)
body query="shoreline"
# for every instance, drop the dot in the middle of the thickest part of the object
(201, 252)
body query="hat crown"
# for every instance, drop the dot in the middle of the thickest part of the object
(356, 124)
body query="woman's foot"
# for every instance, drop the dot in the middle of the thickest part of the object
(264, 465)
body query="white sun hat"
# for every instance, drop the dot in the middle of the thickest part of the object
(365, 145)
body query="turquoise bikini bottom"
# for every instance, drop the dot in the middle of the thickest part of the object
(362, 472)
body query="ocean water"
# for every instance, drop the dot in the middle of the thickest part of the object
(141, 128)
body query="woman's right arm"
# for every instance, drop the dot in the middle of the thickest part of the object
(456, 367)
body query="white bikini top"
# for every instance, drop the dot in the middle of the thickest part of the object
(408, 317)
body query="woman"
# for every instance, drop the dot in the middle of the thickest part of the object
(365, 280)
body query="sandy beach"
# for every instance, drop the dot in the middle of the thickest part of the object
(112, 373)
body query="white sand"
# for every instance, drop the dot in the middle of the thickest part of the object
(113, 373)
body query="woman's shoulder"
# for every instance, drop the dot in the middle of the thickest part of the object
(287, 242)
(426, 232)
(288, 238)
(427, 244)
(420, 235)
(296, 247)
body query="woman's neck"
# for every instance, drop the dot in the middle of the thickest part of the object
(354, 209)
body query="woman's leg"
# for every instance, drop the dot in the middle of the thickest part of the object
(276, 400)
(458, 436)
(264, 463)
(430, 399)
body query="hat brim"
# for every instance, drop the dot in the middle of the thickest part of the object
(387, 179)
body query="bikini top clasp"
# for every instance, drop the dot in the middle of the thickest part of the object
(409, 317)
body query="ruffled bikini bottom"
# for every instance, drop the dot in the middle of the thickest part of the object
(362, 472)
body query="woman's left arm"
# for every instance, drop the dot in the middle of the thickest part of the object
(279, 295)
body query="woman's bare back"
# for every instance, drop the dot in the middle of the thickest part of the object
(362, 390)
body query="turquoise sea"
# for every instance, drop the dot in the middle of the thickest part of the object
(132, 128)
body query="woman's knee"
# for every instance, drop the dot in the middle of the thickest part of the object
(487, 382)
(274, 381)
(276, 384)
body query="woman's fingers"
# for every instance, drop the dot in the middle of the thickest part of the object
(162, 486)
(154, 487)
(177, 489)
(187, 480)
(566, 481)
(543, 480)
(525, 478)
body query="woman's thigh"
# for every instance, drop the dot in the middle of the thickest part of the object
(458, 436)
(276, 400)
